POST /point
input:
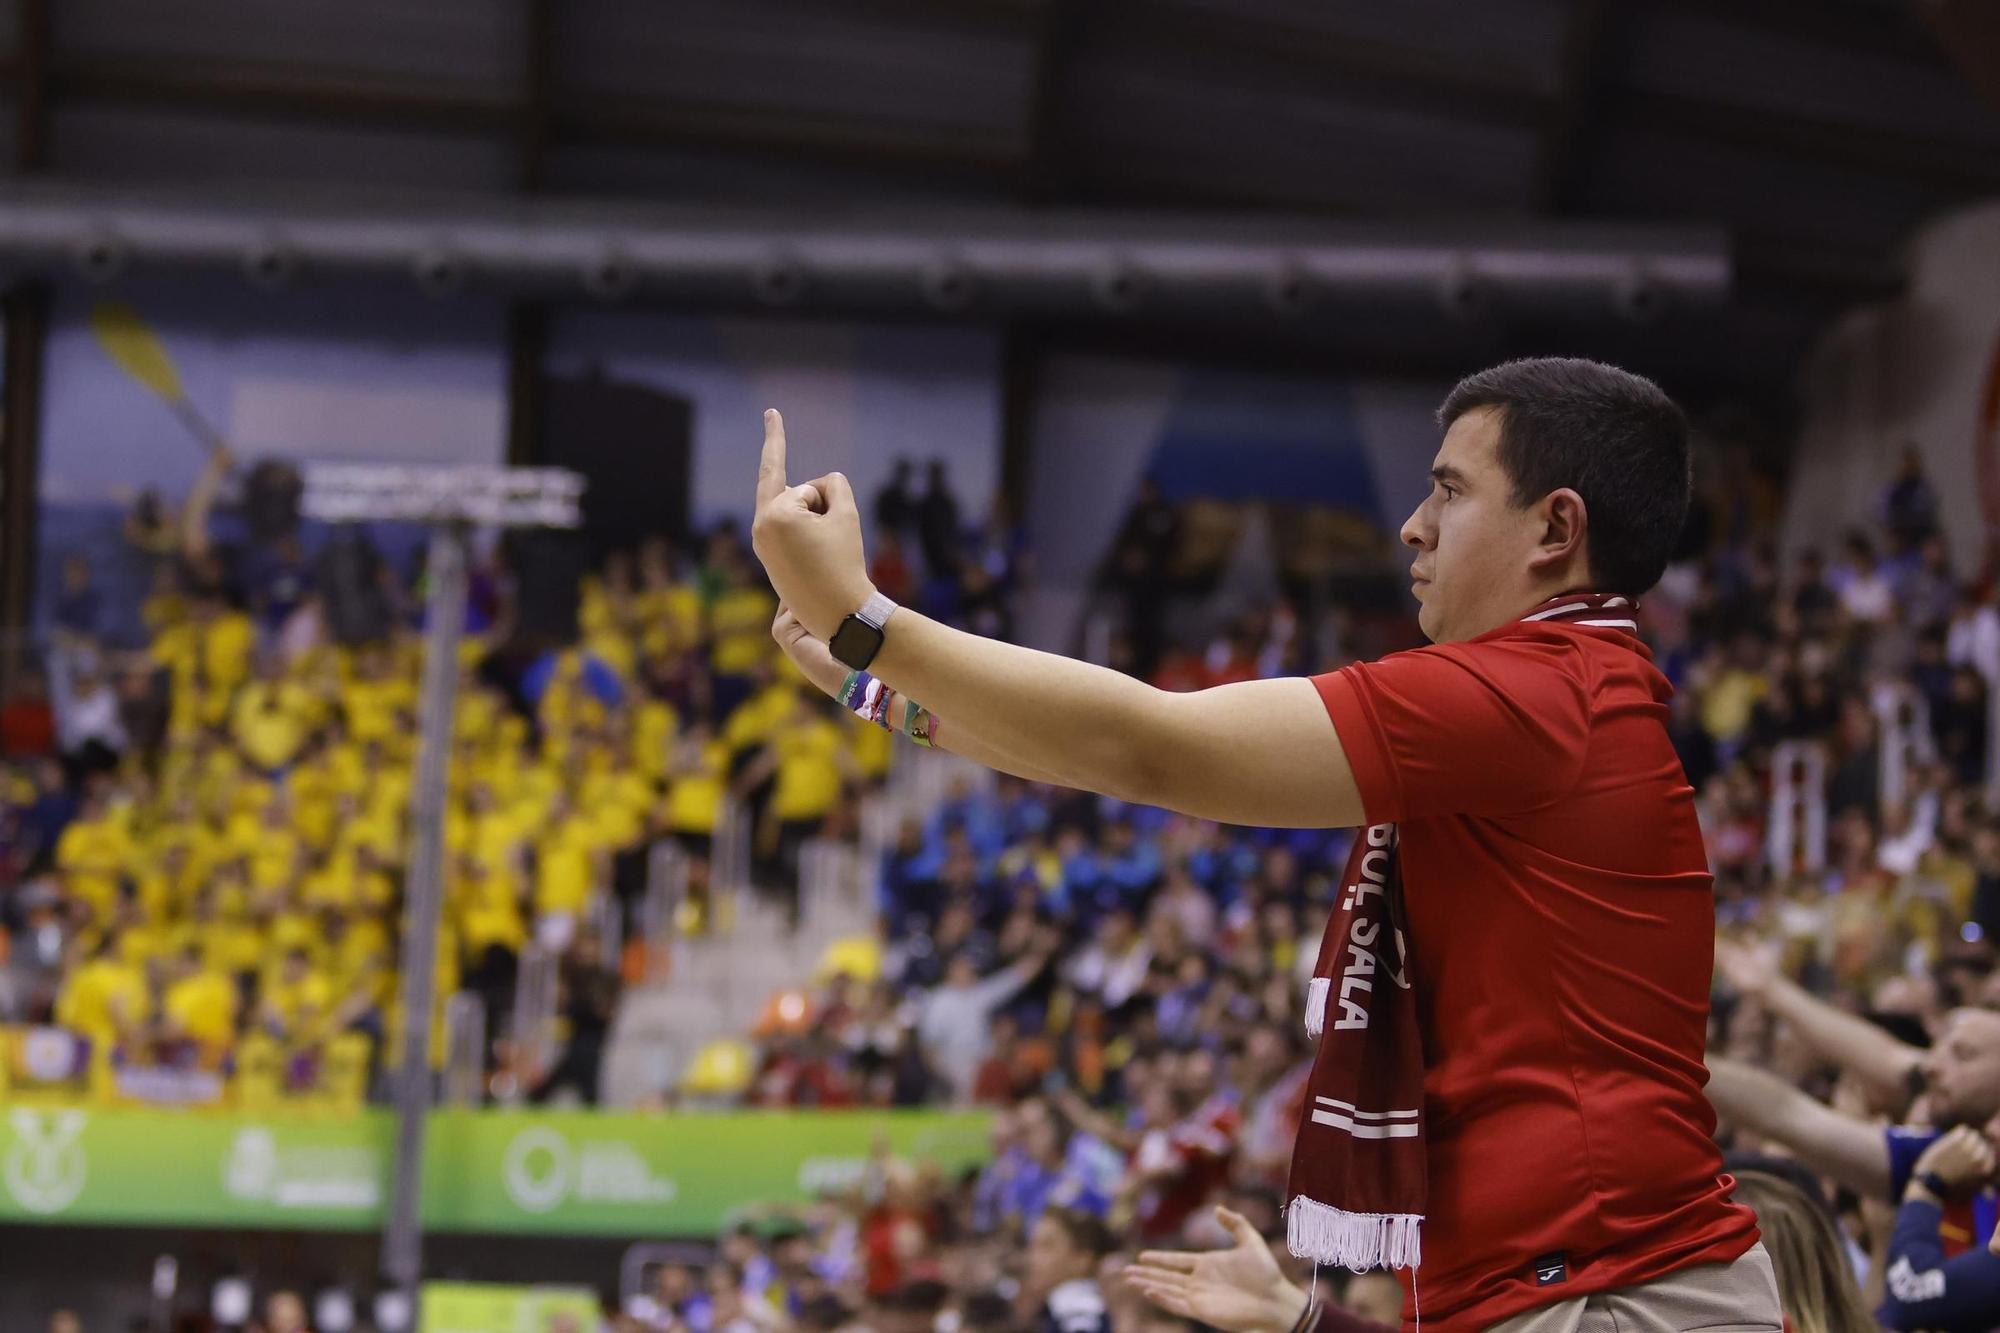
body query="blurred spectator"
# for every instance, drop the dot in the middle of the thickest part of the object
(895, 509)
(1137, 569)
(284, 1312)
(587, 1001)
(1816, 1287)
(955, 1021)
(79, 610)
(1060, 1292)
(1865, 593)
(1910, 507)
(27, 721)
(938, 524)
(90, 729)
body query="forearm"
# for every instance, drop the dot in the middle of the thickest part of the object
(1746, 1097)
(194, 515)
(1065, 722)
(1848, 1041)
(953, 738)
(1825, 1140)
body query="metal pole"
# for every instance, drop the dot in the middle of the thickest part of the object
(402, 1242)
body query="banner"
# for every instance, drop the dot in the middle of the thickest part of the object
(581, 1173)
(471, 1307)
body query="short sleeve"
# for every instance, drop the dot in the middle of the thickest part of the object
(1482, 728)
(1905, 1147)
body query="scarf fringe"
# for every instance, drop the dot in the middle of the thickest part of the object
(1355, 1241)
(1316, 994)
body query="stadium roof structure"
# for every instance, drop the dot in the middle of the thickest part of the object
(1814, 134)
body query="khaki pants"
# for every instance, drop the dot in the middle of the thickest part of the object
(1719, 1298)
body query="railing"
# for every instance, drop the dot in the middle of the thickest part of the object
(1796, 838)
(536, 988)
(1903, 737)
(465, 1050)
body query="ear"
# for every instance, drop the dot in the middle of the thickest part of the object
(1565, 526)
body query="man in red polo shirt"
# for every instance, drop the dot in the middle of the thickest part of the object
(1550, 901)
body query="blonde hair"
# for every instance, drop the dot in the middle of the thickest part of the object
(1815, 1280)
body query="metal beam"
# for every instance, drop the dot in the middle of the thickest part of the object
(1045, 175)
(964, 263)
(527, 348)
(283, 92)
(1960, 167)
(26, 314)
(538, 72)
(1378, 75)
(864, 142)
(31, 88)
(1562, 152)
(1023, 348)
(444, 619)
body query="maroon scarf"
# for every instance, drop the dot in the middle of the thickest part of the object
(1358, 1183)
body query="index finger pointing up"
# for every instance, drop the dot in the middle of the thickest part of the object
(771, 471)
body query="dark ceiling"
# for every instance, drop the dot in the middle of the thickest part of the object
(1818, 133)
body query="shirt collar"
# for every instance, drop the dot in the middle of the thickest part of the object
(1598, 610)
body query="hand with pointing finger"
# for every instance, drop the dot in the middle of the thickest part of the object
(809, 538)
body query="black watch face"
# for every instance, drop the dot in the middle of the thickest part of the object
(854, 643)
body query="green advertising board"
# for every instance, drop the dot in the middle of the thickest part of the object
(581, 1173)
(472, 1307)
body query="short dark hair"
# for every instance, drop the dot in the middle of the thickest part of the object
(1611, 436)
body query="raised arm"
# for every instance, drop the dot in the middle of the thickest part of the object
(1836, 1035)
(1260, 752)
(200, 502)
(1849, 1151)
(816, 664)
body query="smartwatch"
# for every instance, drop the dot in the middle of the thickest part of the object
(859, 637)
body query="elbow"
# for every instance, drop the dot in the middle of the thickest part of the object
(1135, 778)
(1139, 764)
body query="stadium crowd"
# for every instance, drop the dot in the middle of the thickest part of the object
(203, 837)
(1124, 985)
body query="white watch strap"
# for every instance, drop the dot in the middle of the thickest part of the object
(876, 610)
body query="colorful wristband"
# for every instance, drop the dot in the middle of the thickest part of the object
(919, 724)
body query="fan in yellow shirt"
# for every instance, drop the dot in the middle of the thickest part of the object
(208, 656)
(810, 766)
(93, 853)
(297, 1001)
(200, 1004)
(740, 621)
(569, 861)
(654, 723)
(230, 942)
(106, 1000)
(272, 719)
(697, 781)
(489, 909)
(270, 846)
(164, 886)
(808, 754)
(376, 697)
(768, 704)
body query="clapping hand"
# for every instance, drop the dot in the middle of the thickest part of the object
(1239, 1290)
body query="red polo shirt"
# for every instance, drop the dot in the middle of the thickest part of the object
(1561, 928)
